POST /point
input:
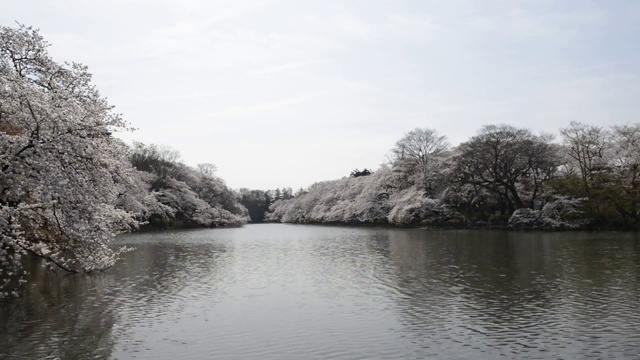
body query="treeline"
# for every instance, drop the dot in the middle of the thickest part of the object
(67, 186)
(176, 195)
(258, 202)
(589, 178)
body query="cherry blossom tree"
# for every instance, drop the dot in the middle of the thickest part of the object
(586, 147)
(507, 162)
(61, 171)
(182, 196)
(419, 152)
(625, 174)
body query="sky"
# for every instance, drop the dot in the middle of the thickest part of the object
(287, 93)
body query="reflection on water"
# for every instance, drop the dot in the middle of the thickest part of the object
(520, 295)
(291, 292)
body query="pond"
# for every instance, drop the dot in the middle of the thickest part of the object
(274, 291)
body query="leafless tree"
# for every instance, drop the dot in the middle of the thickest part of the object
(207, 169)
(585, 148)
(419, 151)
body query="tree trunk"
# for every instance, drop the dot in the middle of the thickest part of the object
(516, 197)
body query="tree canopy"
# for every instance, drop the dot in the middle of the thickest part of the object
(503, 173)
(507, 162)
(61, 170)
(419, 152)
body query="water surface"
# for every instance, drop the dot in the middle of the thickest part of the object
(313, 292)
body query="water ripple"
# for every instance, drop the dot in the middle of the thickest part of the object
(291, 292)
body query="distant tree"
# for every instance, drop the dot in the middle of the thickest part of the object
(506, 161)
(419, 152)
(207, 169)
(160, 160)
(257, 203)
(287, 193)
(623, 188)
(543, 167)
(182, 196)
(586, 146)
(358, 173)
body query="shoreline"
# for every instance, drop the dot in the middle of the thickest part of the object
(416, 225)
(475, 226)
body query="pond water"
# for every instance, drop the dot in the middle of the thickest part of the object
(277, 291)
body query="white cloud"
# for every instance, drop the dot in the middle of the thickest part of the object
(413, 27)
(522, 24)
(260, 108)
(525, 22)
(285, 67)
(353, 26)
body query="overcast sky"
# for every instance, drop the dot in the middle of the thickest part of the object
(287, 93)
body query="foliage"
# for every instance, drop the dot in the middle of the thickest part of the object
(160, 160)
(358, 173)
(562, 213)
(371, 199)
(62, 173)
(418, 154)
(510, 163)
(184, 196)
(67, 186)
(526, 218)
(624, 174)
(341, 201)
(498, 218)
(257, 203)
(592, 177)
(585, 151)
